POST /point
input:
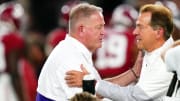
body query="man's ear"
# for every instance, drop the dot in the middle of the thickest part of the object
(81, 29)
(160, 32)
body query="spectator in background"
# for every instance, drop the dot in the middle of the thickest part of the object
(53, 38)
(35, 51)
(2, 57)
(5, 80)
(13, 48)
(18, 65)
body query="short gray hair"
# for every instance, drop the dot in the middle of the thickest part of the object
(82, 10)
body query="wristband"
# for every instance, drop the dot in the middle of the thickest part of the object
(134, 73)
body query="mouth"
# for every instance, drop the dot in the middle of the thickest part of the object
(101, 40)
(137, 40)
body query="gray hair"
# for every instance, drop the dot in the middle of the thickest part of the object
(82, 10)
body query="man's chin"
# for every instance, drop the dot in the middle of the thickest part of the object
(100, 45)
(139, 46)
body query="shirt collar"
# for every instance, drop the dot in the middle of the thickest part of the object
(81, 47)
(159, 50)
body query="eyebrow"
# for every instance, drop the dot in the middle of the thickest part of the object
(100, 25)
(139, 24)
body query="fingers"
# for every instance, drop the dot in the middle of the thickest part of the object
(72, 83)
(72, 75)
(140, 56)
(138, 63)
(69, 77)
(74, 78)
(71, 72)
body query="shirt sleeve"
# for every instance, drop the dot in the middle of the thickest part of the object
(119, 93)
(171, 98)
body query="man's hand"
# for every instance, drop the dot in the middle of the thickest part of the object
(74, 78)
(138, 64)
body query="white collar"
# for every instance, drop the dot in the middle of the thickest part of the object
(81, 47)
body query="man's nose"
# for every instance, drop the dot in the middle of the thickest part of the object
(135, 32)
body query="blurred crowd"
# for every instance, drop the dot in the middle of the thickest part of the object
(30, 29)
